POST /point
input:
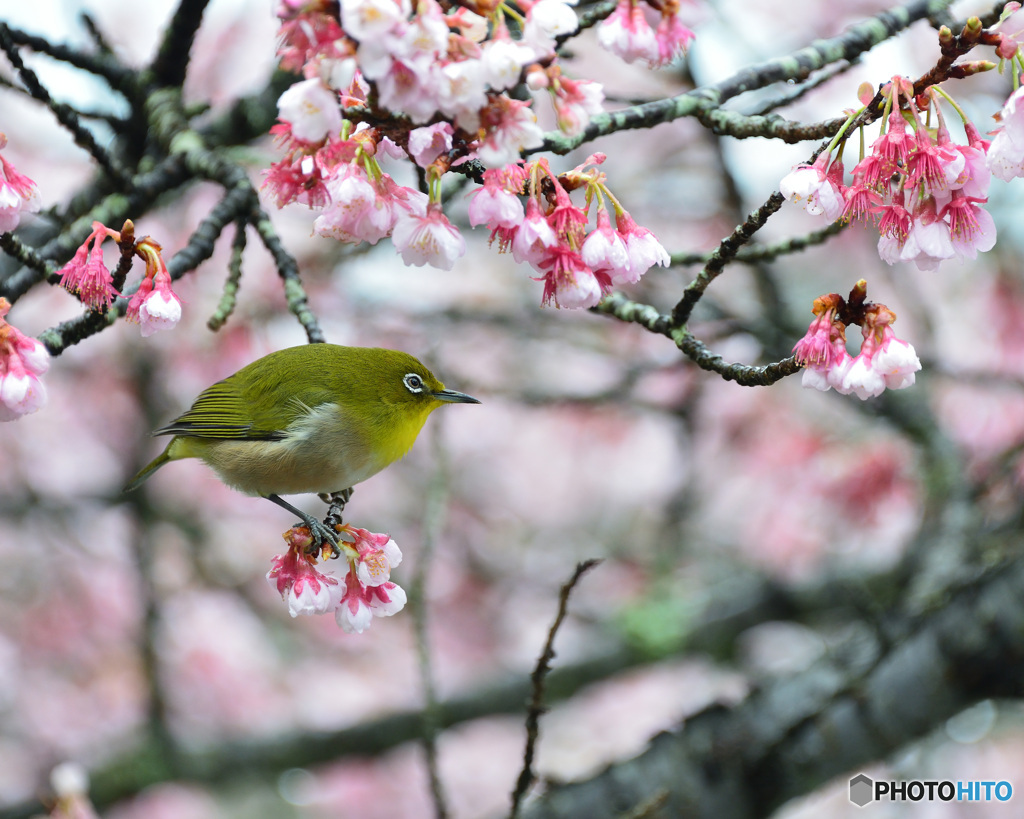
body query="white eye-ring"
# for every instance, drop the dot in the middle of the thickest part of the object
(413, 383)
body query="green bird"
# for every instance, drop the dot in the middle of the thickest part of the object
(316, 418)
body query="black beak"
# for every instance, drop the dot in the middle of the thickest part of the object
(453, 397)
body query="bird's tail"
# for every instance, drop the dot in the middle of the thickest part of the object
(148, 470)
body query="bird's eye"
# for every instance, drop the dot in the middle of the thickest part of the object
(413, 382)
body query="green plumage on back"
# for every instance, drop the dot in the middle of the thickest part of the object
(259, 401)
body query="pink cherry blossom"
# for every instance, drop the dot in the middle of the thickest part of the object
(812, 186)
(87, 275)
(360, 603)
(1011, 31)
(929, 241)
(503, 60)
(18, 194)
(534, 237)
(822, 352)
(576, 101)
(546, 20)
(568, 282)
(428, 238)
(971, 227)
(368, 19)
(359, 211)
(306, 36)
(896, 221)
(22, 361)
(297, 179)
(892, 148)
(411, 90)
(378, 555)
(604, 249)
(932, 166)
(627, 34)
(462, 92)
(884, 361)
(305, 589)
(862, 201)
(154, 305)
(311, 109)
(642, 247)
(511, 127)
(494, 206)
(673, 37)
(975, 177)
(428, 143)
(1005, 155)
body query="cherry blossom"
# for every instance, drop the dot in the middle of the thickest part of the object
(294, 575)
(428, 238)
(1005, 156)
(18, 194)
(311, 110)
(22, 361)
(627, 34)
(814, 188)
(884, 361)
(87, 275)
(154, 306)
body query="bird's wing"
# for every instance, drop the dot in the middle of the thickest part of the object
(223, 411)
(258, 402)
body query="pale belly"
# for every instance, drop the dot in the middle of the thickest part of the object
(320, 455)
(277, 468)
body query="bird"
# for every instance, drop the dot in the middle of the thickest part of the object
(313, 418)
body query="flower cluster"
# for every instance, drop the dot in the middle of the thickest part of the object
(577, 267)
(924, 191)
(18, 193)
(884, 361)
(627, 32)
(154, 305)
(421, 63)
(446, 71)
(22, 361)
(362, 591)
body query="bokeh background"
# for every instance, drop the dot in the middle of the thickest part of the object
(141, 626)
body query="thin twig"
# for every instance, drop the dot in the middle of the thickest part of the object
(725, 253)
(63, 112)
(229, 296)
(104, 64)
(537, 708)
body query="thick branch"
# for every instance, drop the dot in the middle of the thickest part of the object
(792, 737)
(704, 103)
(171, 62)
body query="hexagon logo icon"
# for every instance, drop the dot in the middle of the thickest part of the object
(862, 790)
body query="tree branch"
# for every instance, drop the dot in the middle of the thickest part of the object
(703, 103)
(791, 737)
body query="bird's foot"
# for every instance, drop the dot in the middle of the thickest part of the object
(336, 505)
(323, 534)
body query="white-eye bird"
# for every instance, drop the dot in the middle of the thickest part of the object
(316, 418)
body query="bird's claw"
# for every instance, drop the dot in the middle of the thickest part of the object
(322, 537)
(336, 506)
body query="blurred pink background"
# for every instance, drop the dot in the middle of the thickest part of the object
(594, 439)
